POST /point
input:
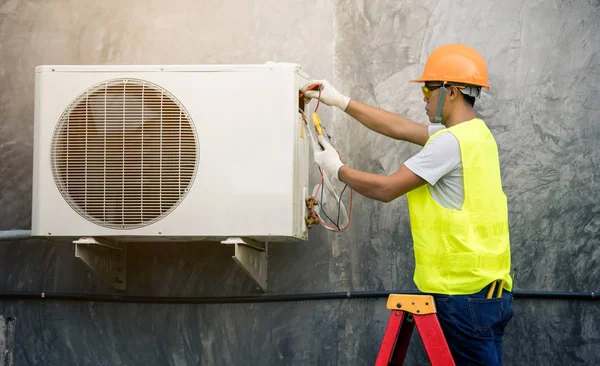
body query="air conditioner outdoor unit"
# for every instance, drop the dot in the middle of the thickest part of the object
(153, 153)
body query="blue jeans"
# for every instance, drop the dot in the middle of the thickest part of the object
(474, 326)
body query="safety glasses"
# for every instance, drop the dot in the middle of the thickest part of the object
(429, 89)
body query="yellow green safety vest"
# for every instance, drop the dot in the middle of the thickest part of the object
(459, 252)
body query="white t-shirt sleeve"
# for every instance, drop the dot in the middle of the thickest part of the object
(439, 158)
(431, 129)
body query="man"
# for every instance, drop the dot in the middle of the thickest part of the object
(458, 210)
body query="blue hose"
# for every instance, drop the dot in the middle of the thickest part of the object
(14, 234)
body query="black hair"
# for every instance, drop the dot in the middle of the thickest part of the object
(469, 100)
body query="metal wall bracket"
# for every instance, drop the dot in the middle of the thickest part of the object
(7, 340)
(108, 259)
(252, 257)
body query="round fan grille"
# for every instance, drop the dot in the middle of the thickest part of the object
(124, 153)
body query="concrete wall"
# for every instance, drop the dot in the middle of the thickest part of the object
(543, 59)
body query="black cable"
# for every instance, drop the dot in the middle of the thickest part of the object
(592, 295)
(323, 206)
(544, 295)
(337, 223)
(321, 174)
(192, 300)
(340, 205)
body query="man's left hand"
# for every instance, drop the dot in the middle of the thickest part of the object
(328, 159)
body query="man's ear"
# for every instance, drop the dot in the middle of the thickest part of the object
(451, 93)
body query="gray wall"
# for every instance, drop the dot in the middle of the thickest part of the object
(544, 64)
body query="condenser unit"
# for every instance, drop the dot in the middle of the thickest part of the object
(163, 153)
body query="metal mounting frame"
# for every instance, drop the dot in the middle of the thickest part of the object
(106, 258)
(252, 257)
(7, 340)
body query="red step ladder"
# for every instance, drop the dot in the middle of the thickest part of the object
(408, 310)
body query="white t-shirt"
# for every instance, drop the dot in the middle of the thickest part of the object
(439, 163)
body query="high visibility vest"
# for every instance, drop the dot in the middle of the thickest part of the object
(459, 252)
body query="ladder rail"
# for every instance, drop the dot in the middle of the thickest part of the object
(388, 344)
(406, 330)
(395, 340)
(399, 328)
(434, 341)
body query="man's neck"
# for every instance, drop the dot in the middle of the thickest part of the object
(459, 116)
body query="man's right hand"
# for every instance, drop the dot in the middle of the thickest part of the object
(329, 95)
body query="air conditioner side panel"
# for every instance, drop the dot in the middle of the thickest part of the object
(36, 201)
(301, 167)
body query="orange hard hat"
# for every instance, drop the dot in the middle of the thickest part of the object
(455, 63)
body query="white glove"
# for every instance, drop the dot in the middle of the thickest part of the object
(328, 159)
(329, 95)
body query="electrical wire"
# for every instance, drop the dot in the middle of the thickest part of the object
(325, 183)
(328, 184)
(322, 209)
(347, 216)
(339, 203)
